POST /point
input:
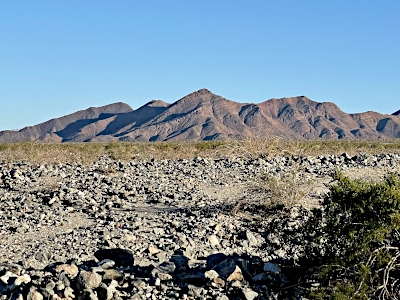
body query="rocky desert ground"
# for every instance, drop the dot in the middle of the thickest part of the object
(163, 229)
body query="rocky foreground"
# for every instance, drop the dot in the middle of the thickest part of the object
(160, 229)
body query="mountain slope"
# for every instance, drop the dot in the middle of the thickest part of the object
(64, 128)
(203, 115)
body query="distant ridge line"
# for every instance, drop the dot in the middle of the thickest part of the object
(202, 115)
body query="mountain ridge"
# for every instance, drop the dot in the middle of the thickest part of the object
(202, 115)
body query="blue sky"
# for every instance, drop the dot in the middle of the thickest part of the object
(57, 57)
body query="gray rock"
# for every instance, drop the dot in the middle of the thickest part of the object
(111, 274)
(165, 267)
(88, 280)
(194, 291)
(251, 238)
(34, 294)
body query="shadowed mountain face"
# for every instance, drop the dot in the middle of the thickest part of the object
(203, 115)
(67, 127)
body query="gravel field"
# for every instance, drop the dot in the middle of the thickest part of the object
(160, 229)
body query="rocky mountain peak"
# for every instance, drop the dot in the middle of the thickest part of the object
(202, 93)
(202, 115)
(156, 103)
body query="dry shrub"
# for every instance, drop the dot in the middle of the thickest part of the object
(287, 189)
(267, 192)
(86, 153)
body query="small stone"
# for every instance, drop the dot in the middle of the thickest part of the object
(251, 238)
(213, 240)
(34, 294)
(60, 286)
(236, 284)
(106, 264)
(157, 282)
(43, 256)
(153, 250)
(88, 280)
(164, 277)
(165, 267)
(69, 292)
(22, 279)
(47, 293)
(139, 284)
(159, 231)
(129, 238)
(136, 297)
(218, 282)
(194, 291)
(112, 274)
(162, 256)
(70, 270)
(236, 275)
(50, 285)
(190, 251)
(249, 294)
(211, 274)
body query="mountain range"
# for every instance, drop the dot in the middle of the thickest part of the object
(203, 115)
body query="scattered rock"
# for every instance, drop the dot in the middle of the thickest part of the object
(156, 229)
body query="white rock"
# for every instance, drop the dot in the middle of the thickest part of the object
(211, 274)
(213, 240)
(249, 294)
(106, 264)
(22, 279)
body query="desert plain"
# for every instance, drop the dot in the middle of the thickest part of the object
(188, 220)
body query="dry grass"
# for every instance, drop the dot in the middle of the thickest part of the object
(85, 153)
(287, 189)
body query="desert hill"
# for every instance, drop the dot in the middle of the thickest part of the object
(203, 115)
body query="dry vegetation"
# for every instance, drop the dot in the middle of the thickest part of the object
(85, 153)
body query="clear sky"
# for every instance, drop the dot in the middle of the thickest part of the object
(57, 57)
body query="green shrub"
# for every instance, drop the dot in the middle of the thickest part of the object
(350, 254)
